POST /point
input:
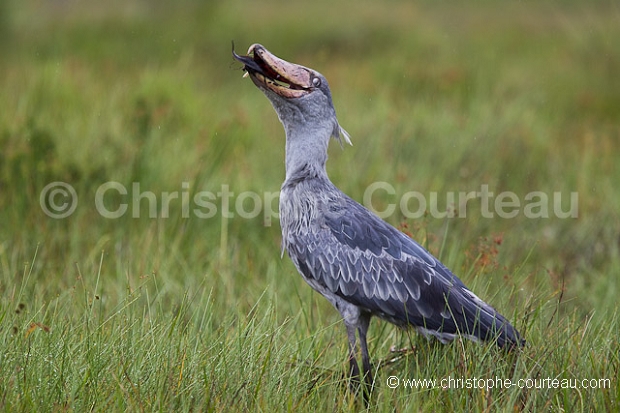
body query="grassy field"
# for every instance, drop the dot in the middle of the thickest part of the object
(181, 302)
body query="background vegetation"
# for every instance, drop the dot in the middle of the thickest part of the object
(186, 313)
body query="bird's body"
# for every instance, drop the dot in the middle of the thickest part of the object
(362, 265)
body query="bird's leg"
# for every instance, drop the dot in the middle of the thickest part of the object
(364, 322)
(354, 371)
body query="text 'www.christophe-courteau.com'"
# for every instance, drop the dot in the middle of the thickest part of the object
(445, 383)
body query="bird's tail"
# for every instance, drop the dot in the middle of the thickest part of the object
(467, 315)
(485, 323)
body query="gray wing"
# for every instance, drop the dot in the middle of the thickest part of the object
(369, 263)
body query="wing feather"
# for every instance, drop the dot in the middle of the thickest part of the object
(362, 259)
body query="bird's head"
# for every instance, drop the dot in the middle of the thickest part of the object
(300, 96)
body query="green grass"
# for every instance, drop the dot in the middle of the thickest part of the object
(185, 313)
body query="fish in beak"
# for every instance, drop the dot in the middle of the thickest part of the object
(270, 72)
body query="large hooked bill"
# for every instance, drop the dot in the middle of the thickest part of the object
(272, 73)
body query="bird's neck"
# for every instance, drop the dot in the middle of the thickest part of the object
(306, 154)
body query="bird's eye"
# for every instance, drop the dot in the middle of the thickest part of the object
(316, 82)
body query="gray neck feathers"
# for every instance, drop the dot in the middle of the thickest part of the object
(306, 152)
(309, 125)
